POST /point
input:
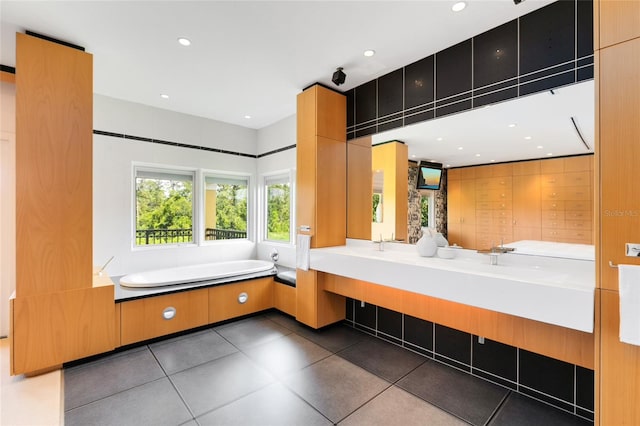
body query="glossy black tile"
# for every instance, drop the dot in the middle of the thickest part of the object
(365, 315)
(390, 124)
(416, 117)
(366, 102)
(495, 97)
(418, 332)
(547, 375)
(365, 131)
(547, 83)
(452, 108)
(496, 358)
(419, 82)
(351, 105)
(547, 36)
(584, 11)
(390, 322)
(584, 388)
(453, 347)
(349, 309)
(390, 93)
(495, 55)
(453, 70)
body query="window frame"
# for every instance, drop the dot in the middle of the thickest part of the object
(263, 219)
(203, 175)
(430, 195)
(170, 170)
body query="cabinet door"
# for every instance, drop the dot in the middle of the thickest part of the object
(145, 319)
(243, 298)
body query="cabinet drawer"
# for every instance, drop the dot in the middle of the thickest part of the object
(483, 222)
(553, 215)
(484, 204)
(552, 194)
(284, 298)
(493, 194)
(579, 205)
(228, 301)
(502, 221)
(502, 205)
(578, 215)
(552, 180)
(578, 179)
(553, 223)
(502, 214)
(577, 193)
(553, 205)
(550, 234)
(145, 319)
(578, 224)
(484, 214)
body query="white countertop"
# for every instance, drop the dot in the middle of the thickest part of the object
(554, 290)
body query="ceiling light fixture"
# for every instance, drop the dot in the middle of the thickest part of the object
(528, 138)
(247, 117)
(163, 96)
(549, 154)
(369, 53)
(457, 7)
(493, 161)
(460, 148)
(477, 155)
(184, 41)
(512, 125)
(540, 147)
(438, 139)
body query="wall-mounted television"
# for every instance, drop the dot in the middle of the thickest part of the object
(429, 175)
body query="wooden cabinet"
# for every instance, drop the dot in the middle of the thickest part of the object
(359, 188)
(243, 298)
(550, 200)
(60, 311)
(391, 159)
(284, 298)
(156, 316)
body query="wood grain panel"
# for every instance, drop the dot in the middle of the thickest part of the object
(557, 342)
(7, 77)
(359, 188)
(224, 304)
(619, 21)
(284, 298)
(619, 370)
(526, 168)
(331, 114)
(51, 329)
(142, 319)
(402, 187)
(619, 98)
(54, 124)
(331, 194)
(306, 185)
(316, 307)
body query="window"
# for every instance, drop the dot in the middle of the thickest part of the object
(225, 207)
(427, 209)
(164, 206)
(278, 208)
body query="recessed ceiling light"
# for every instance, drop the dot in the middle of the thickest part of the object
(413, 156)
(493, 161)
(512, 125)
(540, 146)
(477, 155)
(457, 7)
(369, 53)
(184, 41)
(549, 154)
(438, 139)
(448, 165)
(163, 96)
(528, 138)
(247, 117)
(460, 148)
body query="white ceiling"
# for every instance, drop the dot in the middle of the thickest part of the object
(247, 57)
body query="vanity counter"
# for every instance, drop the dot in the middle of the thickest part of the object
(557, 291)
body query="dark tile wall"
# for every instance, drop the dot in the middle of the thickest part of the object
(555, 382)
(545, 49)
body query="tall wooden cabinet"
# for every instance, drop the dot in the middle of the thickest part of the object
(359, 188)
(461, 208)
(321, 195)
(617, 53)
(60, 310)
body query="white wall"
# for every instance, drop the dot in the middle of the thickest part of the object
(278, 135)
(7, 205)
(112, 179)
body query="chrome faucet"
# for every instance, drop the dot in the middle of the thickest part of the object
(501, 248)
(380, 243)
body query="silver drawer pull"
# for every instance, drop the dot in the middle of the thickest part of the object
(169, 313)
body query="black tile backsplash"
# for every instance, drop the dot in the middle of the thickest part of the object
(453, 347)
(555, 382)
(547, 48)
(547, 375)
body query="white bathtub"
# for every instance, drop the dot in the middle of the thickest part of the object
(195, 273)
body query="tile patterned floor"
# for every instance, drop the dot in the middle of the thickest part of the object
(271, 370)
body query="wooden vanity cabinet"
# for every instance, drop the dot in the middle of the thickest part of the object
(243, 298)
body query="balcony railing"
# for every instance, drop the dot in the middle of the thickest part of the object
(169, 236)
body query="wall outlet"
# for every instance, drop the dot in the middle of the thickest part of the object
(632, 250)
(481, 340)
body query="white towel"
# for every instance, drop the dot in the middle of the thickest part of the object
(303, 252)
(629, 284)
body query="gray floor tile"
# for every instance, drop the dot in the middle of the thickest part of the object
(287, 354)
(273, 405)
(285, 321)
(155, 403)
(211, 385)
(461, 394)
(522, 411)
(383, 359)
(90, 382)
(191, 350)
(397, 407)
(335, 387)
(333, 338)
(252, 332)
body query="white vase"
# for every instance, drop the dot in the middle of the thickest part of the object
(427, 246)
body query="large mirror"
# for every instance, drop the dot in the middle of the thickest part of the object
(552, 124)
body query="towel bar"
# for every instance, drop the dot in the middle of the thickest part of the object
(613, 265)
